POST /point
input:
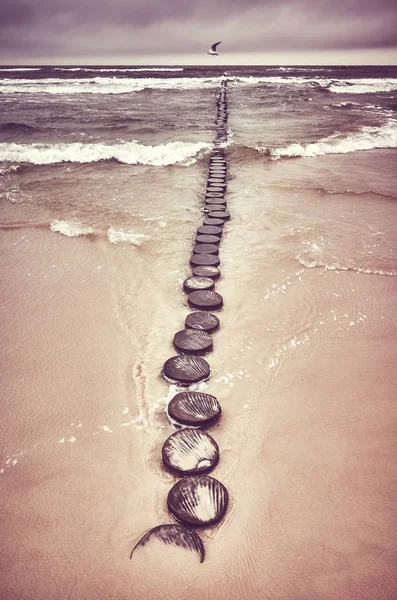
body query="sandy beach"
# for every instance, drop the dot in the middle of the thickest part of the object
(303, 368)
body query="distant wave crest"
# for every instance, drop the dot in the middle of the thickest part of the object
(131, 153)
(6, 69)
(116, 70)
(367, 138)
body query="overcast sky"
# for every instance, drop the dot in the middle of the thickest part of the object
(180, 31)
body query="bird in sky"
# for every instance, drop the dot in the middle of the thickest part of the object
(212, 50)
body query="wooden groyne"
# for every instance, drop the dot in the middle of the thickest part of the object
(197, 500)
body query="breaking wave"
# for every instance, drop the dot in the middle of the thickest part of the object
(115, 70)
(338, 86)
(347, 105)
(367, 138)
(103, 85)
(359, 86)
(9, 169)
(20, 69)
(131, 153)
(122, 85)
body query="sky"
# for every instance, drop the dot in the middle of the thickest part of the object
(180, 31)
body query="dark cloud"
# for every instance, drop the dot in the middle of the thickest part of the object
(90, 27)
(138, 13)
(15, 12)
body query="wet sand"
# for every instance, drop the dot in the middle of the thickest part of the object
(303, 367)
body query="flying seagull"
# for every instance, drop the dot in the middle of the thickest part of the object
(212, 50)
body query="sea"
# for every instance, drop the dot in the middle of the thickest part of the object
(102, 177)
(86, 128)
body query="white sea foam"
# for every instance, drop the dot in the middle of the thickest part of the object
(346, 105)
(70, 228)
(74, 229)
(103, 85)
(125, 235)
(360, 86)
(115, 85)
(21, 69)
(367, 138)
(339, 86)
(252, 80)
(131, 153)
(276, 80)
(9, 169)
(347, 86)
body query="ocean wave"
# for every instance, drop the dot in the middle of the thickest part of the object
(131, 153)
(360, 86)
(103, 85)
(20, 69)
(367, 138)
(116, 70)
(12, 127)
(362, 107)
(255, 80)
(344, 86)
(122, 85)
(14, 195)
(338, 86)
(279, 80)
(347, 105)
(70, 228)
(9, 169)
(336, 266)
